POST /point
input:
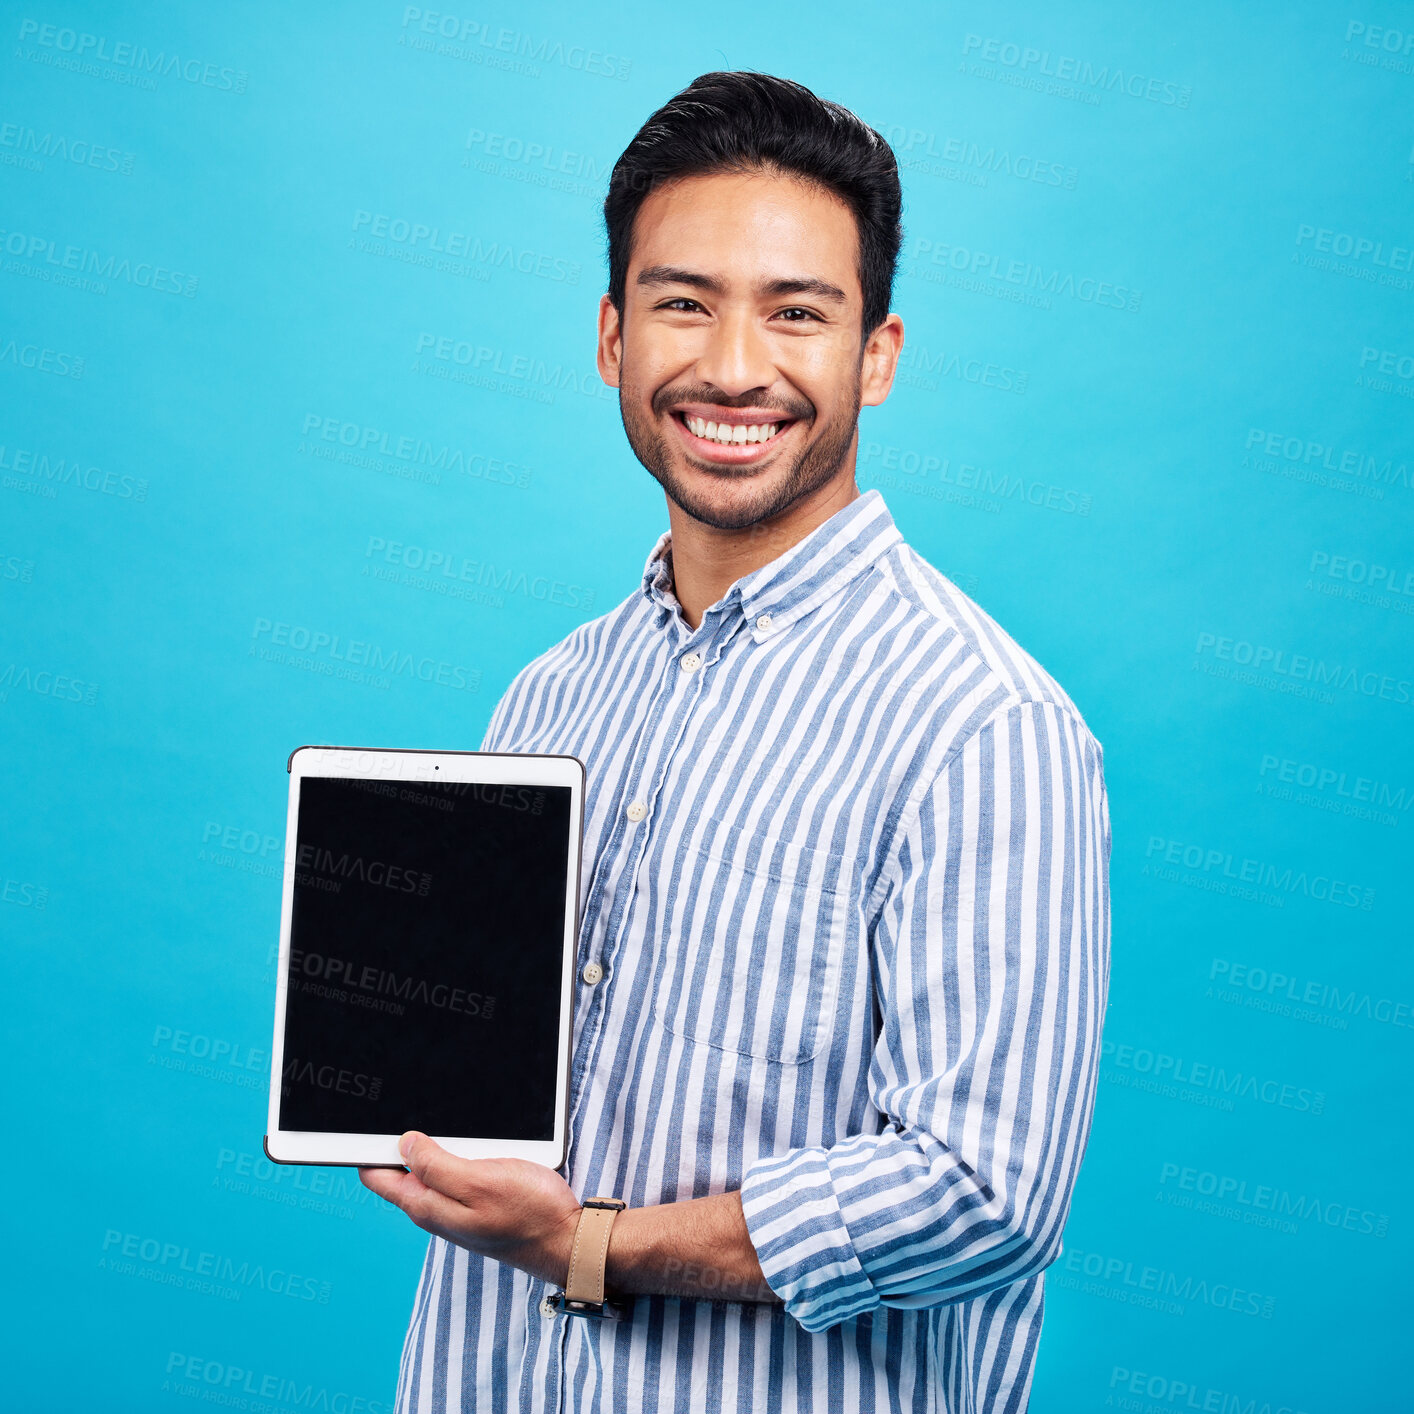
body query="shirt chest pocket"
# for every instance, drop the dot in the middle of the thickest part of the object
(752, 945)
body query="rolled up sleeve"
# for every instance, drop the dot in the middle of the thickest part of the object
(991, 955)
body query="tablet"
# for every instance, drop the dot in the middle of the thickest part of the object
(428, 932)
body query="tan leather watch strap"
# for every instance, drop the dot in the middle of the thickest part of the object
(590, 1252)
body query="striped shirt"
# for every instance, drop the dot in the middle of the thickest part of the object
(846, 875)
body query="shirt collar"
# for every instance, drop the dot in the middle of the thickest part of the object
(803, 577)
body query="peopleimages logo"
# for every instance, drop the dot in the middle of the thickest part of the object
(324, 649)
(1184, 1394)
(344, 976)
(330, 1077)
(922, 367)
(59, 687)
(1167, 1070)
(14, 568)
(956, 480)
(1362, 793)
(1281, 992)
(87, 49)
(1222, 864)
(1265, 1200)
(502, 579)
(29, 146)
(61, 259)
(456, 245)
(1300, 668)
(411, 458)
(970, 265)
(1353, 570)
(41, 359)
(1355, 247)
(1390, 362)
(219, 1382)
(464, 38)
(122, 1250)
(480, 364)
(555, 161)
(21, 894)
(915, 146)
(1120, 1279)
(1037, 64)
(48, 471)
(376, 872)
(1307, 455)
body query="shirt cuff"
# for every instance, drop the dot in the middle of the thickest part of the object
(807, 1257)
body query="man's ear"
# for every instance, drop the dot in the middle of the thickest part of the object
(881, 351)
(609, 354)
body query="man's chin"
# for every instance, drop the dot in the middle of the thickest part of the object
(737, 496)
(731, 499)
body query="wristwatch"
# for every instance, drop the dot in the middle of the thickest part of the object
(584, 1286)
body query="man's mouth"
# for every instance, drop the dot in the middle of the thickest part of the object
(732, 433)
(730, 436)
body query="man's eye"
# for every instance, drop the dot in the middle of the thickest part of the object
(680, 303)
(796, 315)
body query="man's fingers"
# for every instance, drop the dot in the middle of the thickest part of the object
(383, 1182)
(429, 1209)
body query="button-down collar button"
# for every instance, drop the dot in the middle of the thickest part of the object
(592, 973)
(636, 811)
(763, 623)
(547, 1307)
(690, 662)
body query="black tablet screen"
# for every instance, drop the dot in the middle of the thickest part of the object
(426, 955)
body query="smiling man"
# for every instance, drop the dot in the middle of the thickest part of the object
(845, 941)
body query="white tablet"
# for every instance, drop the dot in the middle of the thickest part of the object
(427, 949)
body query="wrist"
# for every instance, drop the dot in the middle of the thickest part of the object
(561, 1248)
(585, 1291)
(547, 1255)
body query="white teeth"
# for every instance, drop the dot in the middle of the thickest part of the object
(731, 434)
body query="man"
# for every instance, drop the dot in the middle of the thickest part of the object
(844, 948)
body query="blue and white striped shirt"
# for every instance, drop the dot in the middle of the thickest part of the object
(846, 874)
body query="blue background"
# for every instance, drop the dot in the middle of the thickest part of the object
(1154, 416)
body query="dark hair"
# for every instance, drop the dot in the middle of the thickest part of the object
(735, 122)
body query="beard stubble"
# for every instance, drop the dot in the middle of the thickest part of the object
(811, 468)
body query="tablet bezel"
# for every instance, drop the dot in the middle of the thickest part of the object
(290, 1146)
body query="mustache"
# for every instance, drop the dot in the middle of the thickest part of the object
(797, 410)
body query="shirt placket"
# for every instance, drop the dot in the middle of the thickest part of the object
(693, 655)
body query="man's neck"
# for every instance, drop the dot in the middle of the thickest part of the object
(708, 561)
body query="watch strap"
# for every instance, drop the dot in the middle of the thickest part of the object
(584, 1286)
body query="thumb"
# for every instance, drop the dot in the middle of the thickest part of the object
(435, 1166)
(415, 1144)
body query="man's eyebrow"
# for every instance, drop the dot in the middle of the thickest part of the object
(673, 275)
(774, 289)
(821, 289)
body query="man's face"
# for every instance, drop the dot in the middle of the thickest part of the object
(739, 358)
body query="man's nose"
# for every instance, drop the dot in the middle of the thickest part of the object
(737, 357)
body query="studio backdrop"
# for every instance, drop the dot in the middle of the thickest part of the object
(302, 441)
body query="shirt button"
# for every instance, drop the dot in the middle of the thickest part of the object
(636, 811)
(764, 623)
(592, 973)
(690, 662)
(547, 1307)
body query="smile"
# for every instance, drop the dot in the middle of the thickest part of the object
(730, 437)
(730, 434)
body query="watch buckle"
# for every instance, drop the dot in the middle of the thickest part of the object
(605, 1310)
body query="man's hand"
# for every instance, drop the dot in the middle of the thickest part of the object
(525, 1215)
(511, 1210)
